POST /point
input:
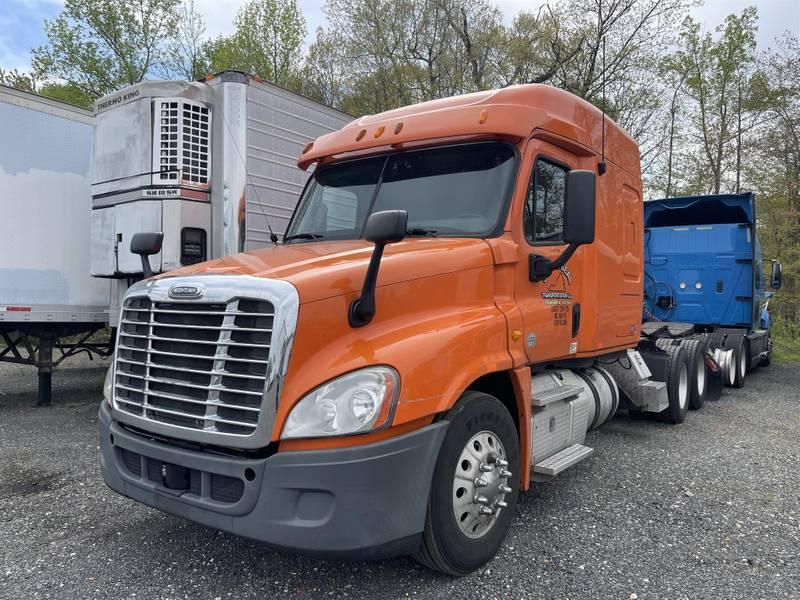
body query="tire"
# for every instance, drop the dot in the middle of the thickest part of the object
(677, 386)
(698, 373)
(740, 358)
(446, 545)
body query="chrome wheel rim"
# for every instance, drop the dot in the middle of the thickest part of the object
(480, 484)
(683, 387)
(701, 376)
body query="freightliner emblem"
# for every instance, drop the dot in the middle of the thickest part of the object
(185, 291)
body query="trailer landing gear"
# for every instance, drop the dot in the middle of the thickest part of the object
(34, 346)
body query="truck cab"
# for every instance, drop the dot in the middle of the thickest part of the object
(422, 345)
(704, 267)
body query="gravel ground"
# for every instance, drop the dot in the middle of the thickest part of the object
(707, 509)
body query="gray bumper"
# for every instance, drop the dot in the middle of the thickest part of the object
(360, 503)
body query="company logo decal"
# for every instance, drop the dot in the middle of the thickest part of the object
(185, 291)
(558, 296)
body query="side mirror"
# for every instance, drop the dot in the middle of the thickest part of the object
(579, 218)
(384, 227)
(145, 245)
(579, 207)
(777, 275)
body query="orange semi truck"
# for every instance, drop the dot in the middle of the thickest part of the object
(456, 301)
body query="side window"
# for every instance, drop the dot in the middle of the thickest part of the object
(544, 206)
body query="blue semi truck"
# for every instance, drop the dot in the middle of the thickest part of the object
(705, 285)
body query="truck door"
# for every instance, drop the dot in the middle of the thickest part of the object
(550, 308)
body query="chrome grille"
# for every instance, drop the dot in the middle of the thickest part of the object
(196, 365)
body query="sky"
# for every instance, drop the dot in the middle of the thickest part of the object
(21, 20)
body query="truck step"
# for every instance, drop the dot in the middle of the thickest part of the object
(561, 392)
(563, 460)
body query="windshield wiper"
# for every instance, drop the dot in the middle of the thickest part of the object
(414, 231)
(303, 236)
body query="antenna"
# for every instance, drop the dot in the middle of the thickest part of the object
(601, 166)
(272, 237)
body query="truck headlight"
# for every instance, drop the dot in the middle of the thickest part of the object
(357, 402)
(107, 385)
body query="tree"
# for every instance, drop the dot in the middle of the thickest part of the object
(185, 50)
(99, 46)
(267, 42)
(17, 79)
(724, 92)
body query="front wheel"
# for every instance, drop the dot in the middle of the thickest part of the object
(475, 487)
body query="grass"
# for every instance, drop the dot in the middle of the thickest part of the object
(786, 340)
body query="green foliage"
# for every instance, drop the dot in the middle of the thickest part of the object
(267, 42)
(786, 340)
(18, 80)
(66, 92)
(99, 46)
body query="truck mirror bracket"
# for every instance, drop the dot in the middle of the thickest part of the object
(384, 227)
(540, 267)
(145, 245)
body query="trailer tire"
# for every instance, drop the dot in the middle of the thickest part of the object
(677, 386)
(446, 545)
(740, 361)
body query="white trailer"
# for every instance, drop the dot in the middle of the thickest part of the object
(211, 164)
(46, 288)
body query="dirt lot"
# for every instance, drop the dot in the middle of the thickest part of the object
(707, 509)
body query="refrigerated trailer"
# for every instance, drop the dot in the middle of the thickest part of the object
(210, 164)
(47, 292)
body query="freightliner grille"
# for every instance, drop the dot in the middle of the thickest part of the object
(195, 365)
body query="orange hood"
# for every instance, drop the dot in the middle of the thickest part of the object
(325, 269)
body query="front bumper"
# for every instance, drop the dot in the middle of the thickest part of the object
(361, 502)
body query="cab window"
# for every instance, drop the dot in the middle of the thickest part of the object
(544, 205)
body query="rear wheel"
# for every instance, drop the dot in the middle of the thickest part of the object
(740, 361)
(678, 388)
(475, 487)
(698, 376)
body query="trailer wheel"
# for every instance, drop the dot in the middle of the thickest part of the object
(678, 387)
(475, 487)
(740, 361)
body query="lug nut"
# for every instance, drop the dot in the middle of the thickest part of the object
(485, 510)
(480, 482)
(504, 489)
(501, 463)
(500, 504)
(484, 468)
(505, 473)
(480, 499)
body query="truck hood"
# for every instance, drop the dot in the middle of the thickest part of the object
(325, 269)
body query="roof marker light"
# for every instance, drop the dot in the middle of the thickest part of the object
(483, 117)
(379, 131)
(361, 135)
(398, 128)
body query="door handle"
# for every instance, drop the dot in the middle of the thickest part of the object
(576, 318)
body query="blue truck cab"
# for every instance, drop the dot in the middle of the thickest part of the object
(704, 268)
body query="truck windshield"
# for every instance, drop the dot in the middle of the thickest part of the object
(455, 191)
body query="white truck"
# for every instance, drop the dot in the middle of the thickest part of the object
(211, 164)
(47, 292)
